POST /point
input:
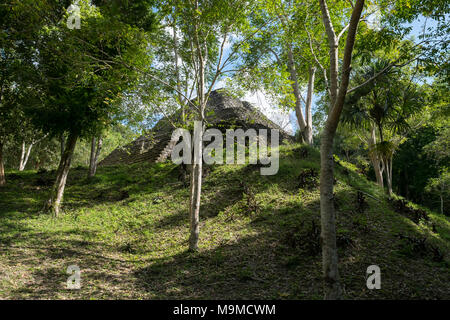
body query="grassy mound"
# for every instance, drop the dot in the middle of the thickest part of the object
(127, 230)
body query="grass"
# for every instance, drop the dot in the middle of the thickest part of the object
(127, 230)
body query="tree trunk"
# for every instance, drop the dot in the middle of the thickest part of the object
(308, 106)
(196, 186)
(177, 71)
(376, 160)
(328, 221)
(57, 192)
(297, 94)
(26, 152)
(332, 288)
(442, 204)
(388, 170)
(97, 153)
(22, 156)
(25, 156)
(2, 168)
(304, 122)
(91, 171)
(197, 167)
(63, 143)
(96, 147)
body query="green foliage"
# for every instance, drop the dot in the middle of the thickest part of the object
(141, 238)
(440, 184)
(136, 12)
(413, 166)
(275, 28)
(79, 75)
(386, 102)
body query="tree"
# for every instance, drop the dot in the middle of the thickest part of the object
(26, 151)
(440, 185)
(14, 92)
(387, 104)
(439, 151)
(202, 29)
(395, 14)
(96, 147)
(285, 55)
(15, 67)
(338, 91)
(82, 80)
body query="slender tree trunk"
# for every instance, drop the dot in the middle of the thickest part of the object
(22, 156)
(2, 168)
(54, 202)
(387, 163)
(25, 155)
(96, 147)
(63, 144)
(196, 187)
(376, 160)
(26, 152)
(388, 170)
(297, 94)
(332, 288)
(177, 70)
(442, 204)
(308, 106)
(328, 220)
(97, 153)
(197, 167)
(378, 168)
(304, 126)
(91, 171)
(390, 176)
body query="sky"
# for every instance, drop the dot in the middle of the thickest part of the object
(289, 120)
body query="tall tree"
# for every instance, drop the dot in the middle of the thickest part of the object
(96, 147)
(83, 79)
(386, 105)
(339, 82)
(285, 55)
(15, 69)
(203, 29)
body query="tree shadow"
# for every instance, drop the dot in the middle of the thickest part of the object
(260, 261)
(254, 267)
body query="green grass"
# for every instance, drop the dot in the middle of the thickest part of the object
(127, 230)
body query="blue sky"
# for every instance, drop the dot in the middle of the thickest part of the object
(289, 120)
(416, 31)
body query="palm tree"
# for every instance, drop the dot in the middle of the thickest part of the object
(385, 107)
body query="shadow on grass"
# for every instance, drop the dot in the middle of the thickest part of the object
(254, 267)
(255, 263)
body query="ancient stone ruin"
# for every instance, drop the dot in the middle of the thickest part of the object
(223, 112)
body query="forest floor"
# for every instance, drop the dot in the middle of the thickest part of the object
(127, 230)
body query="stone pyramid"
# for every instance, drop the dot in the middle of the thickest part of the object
(223, 111)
